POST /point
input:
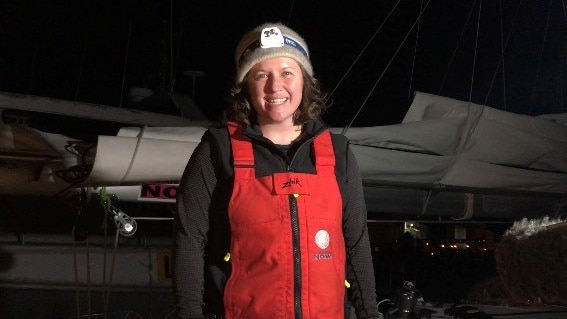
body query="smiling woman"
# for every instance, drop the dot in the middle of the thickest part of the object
(267, 225)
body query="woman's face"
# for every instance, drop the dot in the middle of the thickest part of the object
(275, 87)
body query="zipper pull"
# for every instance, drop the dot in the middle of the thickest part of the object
(227, 257)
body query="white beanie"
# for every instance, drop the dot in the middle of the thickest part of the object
(270, 40)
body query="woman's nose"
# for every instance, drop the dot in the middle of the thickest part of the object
(274, 83)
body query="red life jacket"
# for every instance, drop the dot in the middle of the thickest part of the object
(287, 249)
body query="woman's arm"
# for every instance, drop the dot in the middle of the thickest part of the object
(191, 227)
(360, 270)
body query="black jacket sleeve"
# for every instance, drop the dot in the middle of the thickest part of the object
(191, 227)
(360, 270)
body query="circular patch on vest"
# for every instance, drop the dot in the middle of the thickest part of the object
(322, 239)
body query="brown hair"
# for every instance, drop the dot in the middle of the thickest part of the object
(312, 106)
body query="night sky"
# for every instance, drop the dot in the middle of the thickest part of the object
(85, 50)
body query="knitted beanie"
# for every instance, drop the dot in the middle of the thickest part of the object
(270, 40)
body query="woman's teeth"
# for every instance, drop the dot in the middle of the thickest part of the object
(277, 101)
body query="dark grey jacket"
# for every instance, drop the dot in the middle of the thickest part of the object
(202, 231)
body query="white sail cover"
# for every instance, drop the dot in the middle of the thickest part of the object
(443, 141)
(150, 154)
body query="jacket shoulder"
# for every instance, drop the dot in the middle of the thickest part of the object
(220, 134)
(219, 141)
(341, 150)
(340, 146)
(339, 139)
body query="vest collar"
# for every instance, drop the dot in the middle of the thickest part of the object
(311, 129)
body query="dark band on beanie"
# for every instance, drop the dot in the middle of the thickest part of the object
(288, 41)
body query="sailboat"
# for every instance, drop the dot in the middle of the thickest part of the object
(441, 162)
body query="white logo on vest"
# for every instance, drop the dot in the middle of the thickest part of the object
(322, 239)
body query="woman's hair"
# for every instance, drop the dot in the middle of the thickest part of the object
(312, 106)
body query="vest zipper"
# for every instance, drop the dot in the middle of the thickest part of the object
(296, 257)
(295, 242)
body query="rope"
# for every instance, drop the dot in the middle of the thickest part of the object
(75, 265)
(106, 204)
(362, 51)
(140, 135)
(77, 174)
(89, 305)
(109, 286)
(105, 199)
(75, 271)
(384, 72)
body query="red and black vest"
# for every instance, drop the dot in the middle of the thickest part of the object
(287, 250)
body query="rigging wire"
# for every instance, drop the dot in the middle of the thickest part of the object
(384, 71)
(415, 49)
(502, 48)
(362, 51)
(81, 68)
(125, 62)
(501, 61)
(475, 49)
(171, 77)
(561, 86)
(290, 11)
(540, 57)
(456, 47)
(81, 64)
(561, 77)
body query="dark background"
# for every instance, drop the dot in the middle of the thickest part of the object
(94, 51)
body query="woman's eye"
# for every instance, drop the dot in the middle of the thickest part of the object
(287, 73)
(260, 76)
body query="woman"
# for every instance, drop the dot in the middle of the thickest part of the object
(271, 217)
